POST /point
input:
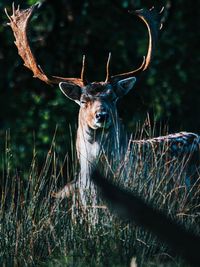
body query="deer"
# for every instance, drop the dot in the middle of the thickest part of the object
(100, 132)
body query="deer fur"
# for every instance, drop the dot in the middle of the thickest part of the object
(108, 139)
(100, 132)
(97, 139)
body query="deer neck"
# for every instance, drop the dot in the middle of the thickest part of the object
(96, 147)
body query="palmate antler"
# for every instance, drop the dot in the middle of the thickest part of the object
(150, 18)
(19, 23)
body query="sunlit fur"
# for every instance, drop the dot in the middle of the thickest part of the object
(97, 139)
(107, 141)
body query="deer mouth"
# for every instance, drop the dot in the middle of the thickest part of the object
(102, 120)
(103, 125)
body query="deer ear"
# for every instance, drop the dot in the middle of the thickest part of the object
(124, 86)
(71, 90)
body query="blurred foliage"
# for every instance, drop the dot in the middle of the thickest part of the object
(63, 31)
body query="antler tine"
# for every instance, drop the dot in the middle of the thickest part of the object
(108, 68)
(150, 19)
(19, 22)
(83, 71)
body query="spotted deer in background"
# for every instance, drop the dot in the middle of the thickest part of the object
(100, 132)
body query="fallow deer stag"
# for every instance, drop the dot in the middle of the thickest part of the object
(100, 133)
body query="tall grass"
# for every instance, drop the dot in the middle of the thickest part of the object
(38, 230)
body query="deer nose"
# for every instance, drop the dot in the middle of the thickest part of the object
(102, 116)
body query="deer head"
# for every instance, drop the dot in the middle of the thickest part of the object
(97, 99)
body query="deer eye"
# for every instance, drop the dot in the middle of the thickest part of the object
(83, 102)
(109, 91)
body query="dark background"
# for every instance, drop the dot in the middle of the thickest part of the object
(61, 32)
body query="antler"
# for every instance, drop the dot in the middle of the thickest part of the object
(150, 19)
(19, 23)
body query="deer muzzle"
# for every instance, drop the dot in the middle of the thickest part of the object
(102, 119)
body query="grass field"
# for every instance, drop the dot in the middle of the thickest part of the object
(38, 230)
